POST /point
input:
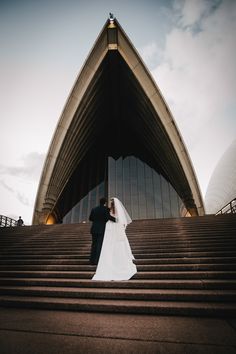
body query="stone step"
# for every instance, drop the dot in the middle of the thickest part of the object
(225, 253)
(136, 242)
(150, 238)
(182, 243)
(139, 275)
(190, 229)
(140, 268)
(138, 256)
(123, 294)
(186, 260)
(86, 249)
(142, 248)
(133, 283)
(178, 308)
(167, 227)
(76, 261)
(151, 255)
(132, 234)
(186, 248)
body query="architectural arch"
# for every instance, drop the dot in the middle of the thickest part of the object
(115, 112)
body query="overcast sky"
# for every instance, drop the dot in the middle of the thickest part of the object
(188, 45)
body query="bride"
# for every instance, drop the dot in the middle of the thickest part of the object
(116, 258)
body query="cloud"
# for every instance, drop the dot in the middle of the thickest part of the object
(30, 168)
(151, 54)
(191, 12)
(6, 186)
(198, 79)
(21, 182)
(23, 199)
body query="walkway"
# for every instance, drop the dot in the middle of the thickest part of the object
(26, 331)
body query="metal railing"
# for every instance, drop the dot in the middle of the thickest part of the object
(229, 208)
(5, 221)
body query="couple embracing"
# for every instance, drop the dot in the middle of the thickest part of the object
(110, 249)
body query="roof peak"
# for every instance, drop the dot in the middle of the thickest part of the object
(111, 20)
(111, 16)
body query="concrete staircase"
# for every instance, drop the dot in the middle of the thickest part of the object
(186, 266)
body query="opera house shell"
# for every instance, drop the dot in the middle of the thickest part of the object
(222, 186)
(116, 137)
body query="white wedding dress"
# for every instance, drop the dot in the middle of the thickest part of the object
(116, 258)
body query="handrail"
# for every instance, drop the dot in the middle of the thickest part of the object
(228, 208)
(6, 221)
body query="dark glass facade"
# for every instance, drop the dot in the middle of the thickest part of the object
(145, 193)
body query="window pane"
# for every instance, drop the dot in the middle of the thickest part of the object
(126, 183)
(134, 188)
(149, 192)
(141, 190)
(119, 178)
(111, 177)
(157, 195)
(174, 203)
(166, 198)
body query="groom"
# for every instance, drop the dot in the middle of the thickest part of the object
(99, 216)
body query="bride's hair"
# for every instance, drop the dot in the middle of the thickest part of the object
(112, 206)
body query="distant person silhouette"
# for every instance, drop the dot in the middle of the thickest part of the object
(19, 222)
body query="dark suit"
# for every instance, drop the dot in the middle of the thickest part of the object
(99, 216)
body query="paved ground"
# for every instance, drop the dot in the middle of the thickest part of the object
(25, 331)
